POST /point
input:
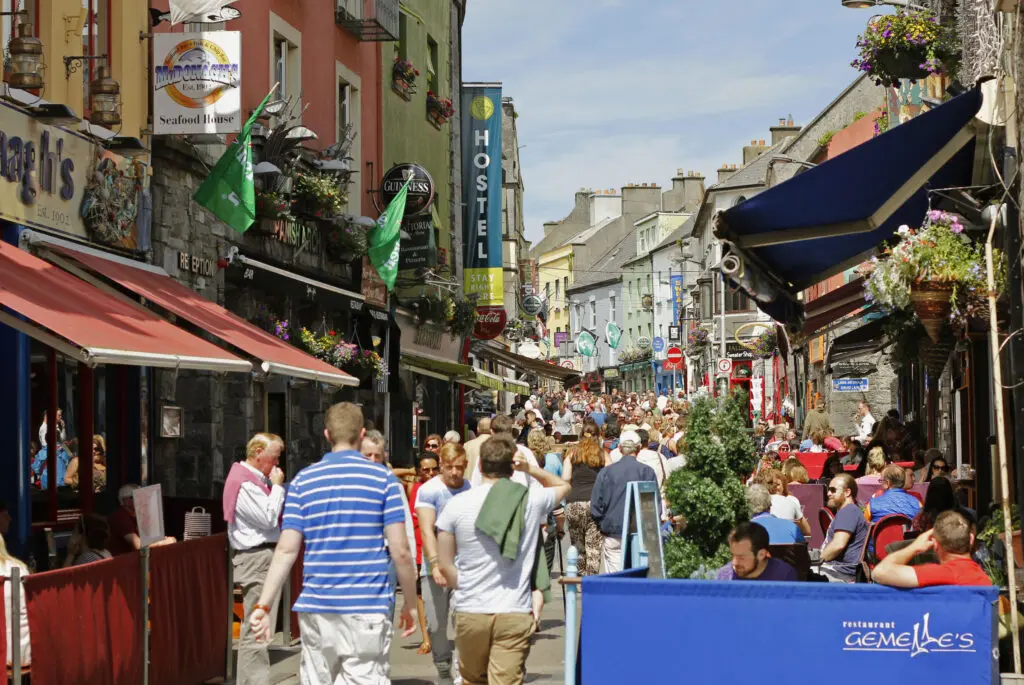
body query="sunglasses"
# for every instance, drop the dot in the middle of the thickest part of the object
(834, 491)
(430, 469)
(433, 444)
(936, 467)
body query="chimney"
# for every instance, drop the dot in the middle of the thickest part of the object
(604, 204)
(753, 151)
(639, 200)
(784, 129)
(686, 193)
(725, 173)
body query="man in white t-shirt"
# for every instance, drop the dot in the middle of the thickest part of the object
(493, 605)
(502, 425)
(431, 500)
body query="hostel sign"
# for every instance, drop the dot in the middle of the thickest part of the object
(481, 136)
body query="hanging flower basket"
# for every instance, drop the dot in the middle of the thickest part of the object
(317, 195)
(911, 45)
(931, 303)
(271, 205)
(344, 240)
(462, 318)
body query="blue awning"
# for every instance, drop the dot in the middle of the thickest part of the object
(833, 216)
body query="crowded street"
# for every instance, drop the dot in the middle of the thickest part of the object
(465, 342)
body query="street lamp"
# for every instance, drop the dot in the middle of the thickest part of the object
(865, 4)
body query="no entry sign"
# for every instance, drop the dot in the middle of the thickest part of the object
(674, 355)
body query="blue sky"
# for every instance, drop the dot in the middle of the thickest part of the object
(611, 92)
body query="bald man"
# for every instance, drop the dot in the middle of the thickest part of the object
(483, 431)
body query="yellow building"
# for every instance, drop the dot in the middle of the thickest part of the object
(74, 47)
(555, 269)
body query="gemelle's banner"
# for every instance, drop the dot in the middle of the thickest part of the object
(481, 169)
(197, 82)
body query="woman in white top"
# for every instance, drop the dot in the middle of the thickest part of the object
(8, 562)
(784, 505)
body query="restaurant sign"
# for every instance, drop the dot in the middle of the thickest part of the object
(420, 248)
(42, 173)
(197, 82)
(420, 196)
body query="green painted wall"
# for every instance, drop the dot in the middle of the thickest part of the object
(409, 136)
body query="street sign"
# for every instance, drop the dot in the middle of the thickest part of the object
(850, 385)
(643, 342)
(724, 365)
(674, 355)
(658, 344)
(673, 333)
(586, 344)
(613, 333)
(568, 364)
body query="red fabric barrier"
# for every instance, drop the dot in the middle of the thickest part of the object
(86, 623)
(188, 611)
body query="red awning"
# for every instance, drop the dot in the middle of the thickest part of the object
(833, 305)
(275, 355)
(93, 326)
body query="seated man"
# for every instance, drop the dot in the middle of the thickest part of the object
(748, 543)
(894, 499)
(952, 539)
(847, 534)
(780, 531)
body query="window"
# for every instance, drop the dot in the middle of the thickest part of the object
(547, 289)
(403, 35)
(650, 329)
(281, 47)
(348, 122)
(432, 66)
(344, 110)
(557, 293)
(736, 300)
(593, 314)
(565, 286)
(95, 41)
(611, 308)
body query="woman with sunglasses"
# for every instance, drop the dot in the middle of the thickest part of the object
(937, 467)
(99, 466)
(433, 443)
(428, 467)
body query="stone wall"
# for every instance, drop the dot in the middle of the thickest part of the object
(222, 411)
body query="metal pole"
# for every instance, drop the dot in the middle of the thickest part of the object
(15, 624)
(569, 591)
(144, 556)
(229, 666)
(1004, 475)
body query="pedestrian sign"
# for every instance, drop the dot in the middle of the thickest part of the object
(725, 366)
(658, 344)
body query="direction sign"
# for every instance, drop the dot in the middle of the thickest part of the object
(674, 355)
(658, 344)
(724, 365)
(850, 385)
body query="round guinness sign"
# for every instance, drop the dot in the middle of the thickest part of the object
(421, 188)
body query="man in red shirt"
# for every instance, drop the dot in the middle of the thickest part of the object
(952, 539)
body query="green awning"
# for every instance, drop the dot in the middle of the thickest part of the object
(436, 368)
(487, 379)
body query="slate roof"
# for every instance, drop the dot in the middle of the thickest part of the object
(583, 236)
(755, 172)
(608, 267)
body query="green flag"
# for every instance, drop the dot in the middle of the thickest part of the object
(228, 191)
(385, 238)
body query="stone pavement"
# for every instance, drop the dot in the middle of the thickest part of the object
(544, 666)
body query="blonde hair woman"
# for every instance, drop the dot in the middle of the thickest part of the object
(580, 469)
(7, 563)
(99, 466)
(875, 464)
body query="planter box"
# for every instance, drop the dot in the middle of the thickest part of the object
(636, 630)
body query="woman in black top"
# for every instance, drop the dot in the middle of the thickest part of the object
(580, 468)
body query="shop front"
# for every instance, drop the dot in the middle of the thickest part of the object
(612, 378)
(425, 394)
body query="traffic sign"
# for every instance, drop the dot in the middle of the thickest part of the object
(724, 365)
(658, 344)
(568, 364)
(674, 355)
(643, 342)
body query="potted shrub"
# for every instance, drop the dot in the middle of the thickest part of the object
(907, 44)
(439, 110)
(403, 77)
(317, 194)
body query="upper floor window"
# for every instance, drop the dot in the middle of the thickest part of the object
(611, 308)
(403, 35)
(95, 42)
(432, 66)
(557, 293)
(593, 314)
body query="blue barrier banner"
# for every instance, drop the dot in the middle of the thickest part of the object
(635, 630)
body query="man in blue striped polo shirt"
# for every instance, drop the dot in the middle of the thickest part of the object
(343, 507)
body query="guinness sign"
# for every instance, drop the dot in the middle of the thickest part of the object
(421, 188)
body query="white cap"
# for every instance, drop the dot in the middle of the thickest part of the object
(629, 436)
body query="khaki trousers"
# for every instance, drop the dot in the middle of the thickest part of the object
(492, 648)
(251, 568)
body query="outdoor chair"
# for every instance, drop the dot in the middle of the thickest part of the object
(825, 517)
(796, 555)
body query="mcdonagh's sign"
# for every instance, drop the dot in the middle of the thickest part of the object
(481, 165)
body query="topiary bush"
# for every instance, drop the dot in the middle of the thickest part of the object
(708, 492)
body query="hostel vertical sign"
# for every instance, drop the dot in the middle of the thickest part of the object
(481, 165)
